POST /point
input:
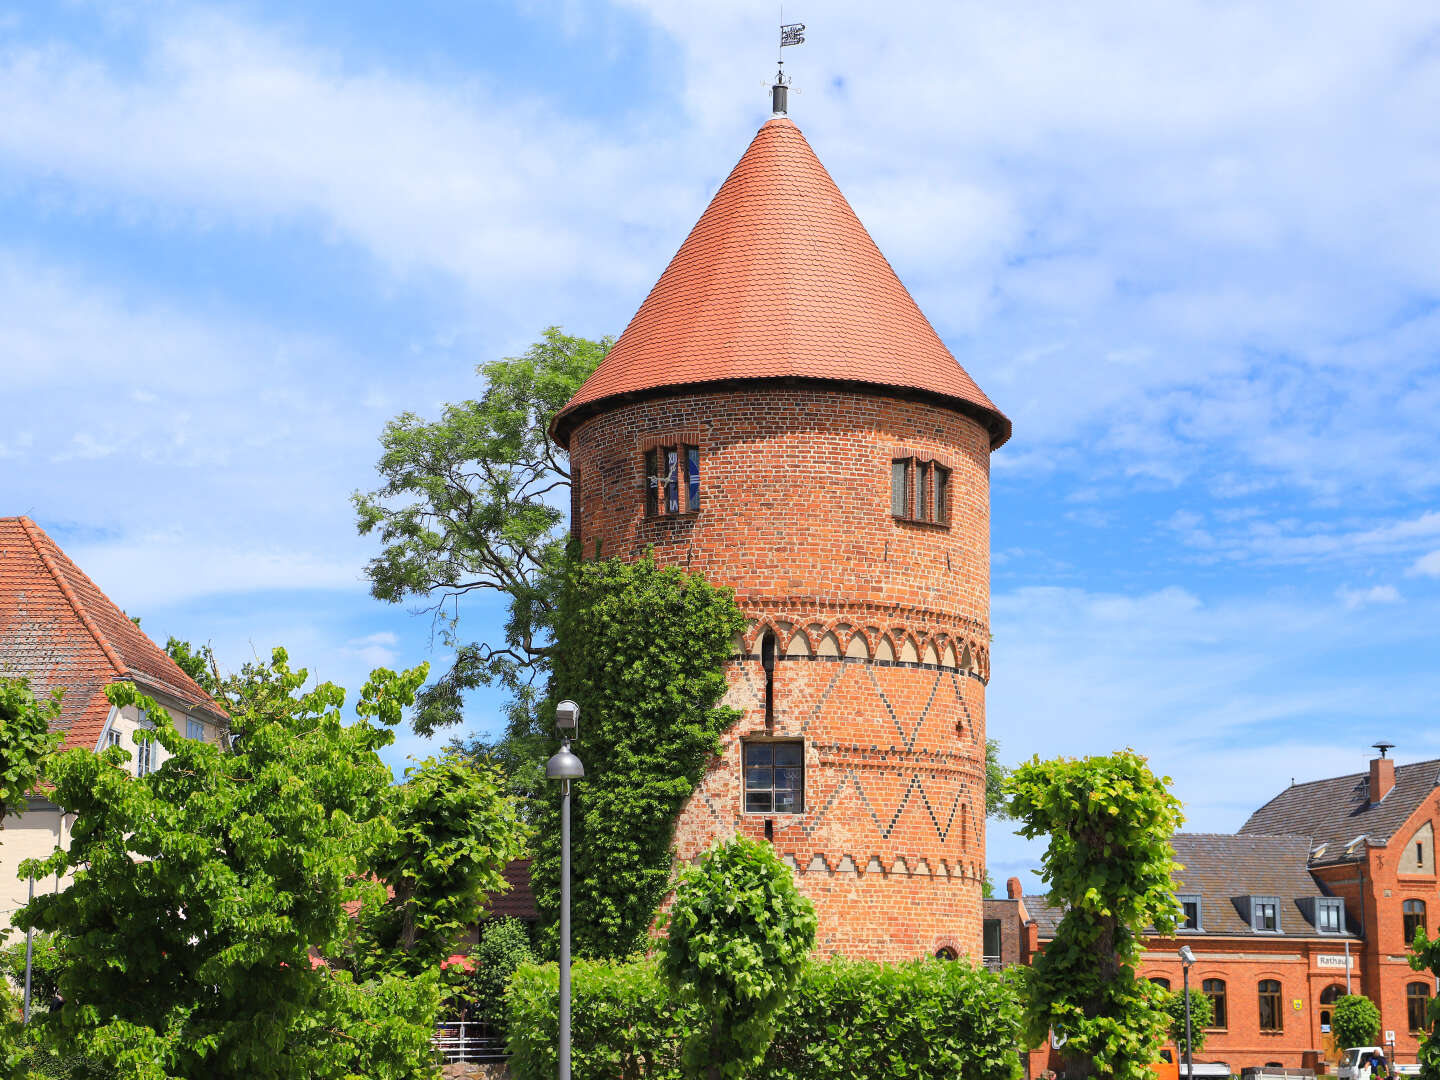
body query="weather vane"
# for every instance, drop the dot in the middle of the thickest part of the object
(790, 34)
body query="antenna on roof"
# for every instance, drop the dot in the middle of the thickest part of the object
(790, 34)
(1383, 746)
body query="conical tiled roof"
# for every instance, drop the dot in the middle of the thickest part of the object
(779, 280)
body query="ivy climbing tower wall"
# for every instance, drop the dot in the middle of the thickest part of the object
(781, 417)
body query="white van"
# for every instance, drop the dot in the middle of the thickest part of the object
(1351, 1067)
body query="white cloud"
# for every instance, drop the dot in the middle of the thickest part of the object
(1376, 594)
(375, 650)
(1427, 565)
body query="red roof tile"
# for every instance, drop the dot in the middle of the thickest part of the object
(59, 630)
(779, 280)
(518, 901)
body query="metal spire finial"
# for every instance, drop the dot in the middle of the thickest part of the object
(790, 34)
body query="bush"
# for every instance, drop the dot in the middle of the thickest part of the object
(919, 1020)
(1202, 1012)
(503, 946)
(624, 1022)
(739, 935)
(1355, 1021)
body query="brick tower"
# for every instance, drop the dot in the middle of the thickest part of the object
(781, 417)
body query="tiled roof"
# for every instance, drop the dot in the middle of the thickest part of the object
(1226, 869)
(519, 900)
(779, 280)
(59, 630)
(1335, 811)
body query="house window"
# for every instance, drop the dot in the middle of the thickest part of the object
(990, 944)
(1330, 916)
(672, 480)
(774, 777)
(1417, 1006)
(1160, 981)
(194, 729)
(920, 491)
(1214, 989)
(1414, 916)
(144, 757)
(1265, 914)
(112, 738)
(1189, 912)
(1272, 1018)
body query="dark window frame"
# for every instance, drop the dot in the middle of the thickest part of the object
(986, 927)
(1191, 898)
(1420, 1001)
(1218, 993)
(1275, 1000)
(1257, 906)
(747, 764)
(1160, 981)
(1330, 903)
(672, 489)
(927, 492)
(1413, 913)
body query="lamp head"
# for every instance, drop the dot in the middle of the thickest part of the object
(567, 715)
(564, 765)
(1186, 956)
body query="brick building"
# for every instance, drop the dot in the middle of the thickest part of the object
(780, 416)
(1327, 879)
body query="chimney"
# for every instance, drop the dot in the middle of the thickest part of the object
(1012, 888)
(1382, 773)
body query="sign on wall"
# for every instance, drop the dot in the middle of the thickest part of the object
(1333, 960)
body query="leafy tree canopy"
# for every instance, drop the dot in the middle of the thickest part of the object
(474, 502)
(1426, 957)
(1355, 1021)
(1202, 1015)
(26, 742)
(1108, 864)
(739, 934)
(205, 932)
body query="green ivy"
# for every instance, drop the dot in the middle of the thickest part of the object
(739, 933)
(1109, 865)
(642, 649)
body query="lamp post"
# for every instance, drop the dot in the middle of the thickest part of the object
(1186, 959)
(565, 766)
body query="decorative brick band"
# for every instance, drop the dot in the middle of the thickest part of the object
(891, 643)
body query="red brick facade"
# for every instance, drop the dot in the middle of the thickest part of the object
(881, 629)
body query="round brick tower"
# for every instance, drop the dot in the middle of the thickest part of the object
(781, 417)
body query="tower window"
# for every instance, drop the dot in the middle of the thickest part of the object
(672, 480)
(920, 491)
(774, 777)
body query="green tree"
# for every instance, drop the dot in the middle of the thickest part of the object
(454, 831)
(472, 503)
(189, 943)
(643, 651)
(503, 946)
(1108, 864)
(1355, 1021)
(739, 934)
(26, 743)
(44, 967)
(196, 661)
(1426, 956)
(1202, 1014)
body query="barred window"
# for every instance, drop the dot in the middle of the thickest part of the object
(774, 777)
(920, 491)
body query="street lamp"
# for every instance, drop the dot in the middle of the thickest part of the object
(565, 766)
(1186, 959)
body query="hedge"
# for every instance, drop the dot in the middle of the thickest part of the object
(918, 1020)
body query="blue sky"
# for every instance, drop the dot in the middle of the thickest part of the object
(1189, 248)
